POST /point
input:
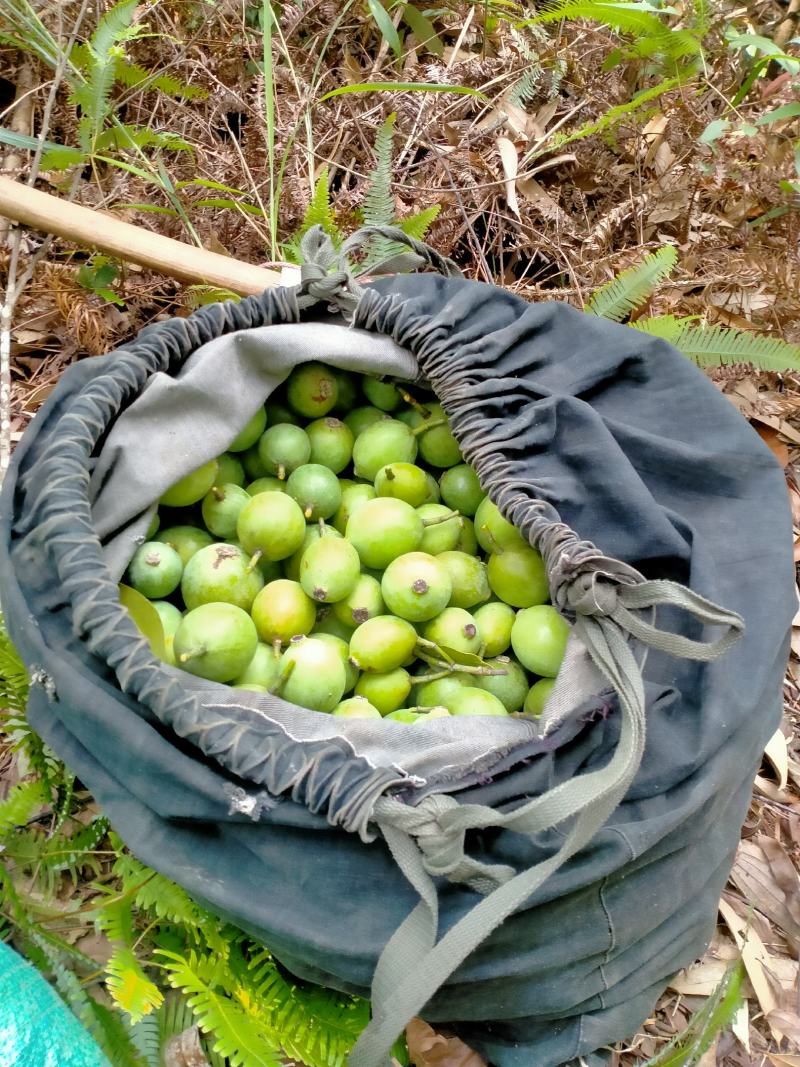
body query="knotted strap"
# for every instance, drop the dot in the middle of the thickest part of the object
(428, 840)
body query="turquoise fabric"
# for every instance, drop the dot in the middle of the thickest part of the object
(36, 1028)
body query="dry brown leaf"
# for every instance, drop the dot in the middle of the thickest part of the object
(788, 1022)
(772, 440)
(538, 196)
(184, 1050)
(510, 161)
(777, 752)
(775, 895)
(741, 1025)
(781, 425)
(670, 206)
(426, 1048)
(755, 957)
(783, 1061)
(538, 123)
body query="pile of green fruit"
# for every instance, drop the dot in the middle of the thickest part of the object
(351, 565)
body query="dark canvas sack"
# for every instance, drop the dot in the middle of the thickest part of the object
(532, 883)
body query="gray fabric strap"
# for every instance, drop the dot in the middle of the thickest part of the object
(429, 839)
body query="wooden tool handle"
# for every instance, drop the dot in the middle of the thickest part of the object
(93, 229)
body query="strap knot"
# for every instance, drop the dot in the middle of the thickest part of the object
(590, 593)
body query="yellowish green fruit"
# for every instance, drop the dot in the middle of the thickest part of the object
(192, 487)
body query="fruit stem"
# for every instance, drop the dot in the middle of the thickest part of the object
(322, 527)
(281, 472)
(308, 511)
(415, 404)
(421, 641)
(434, 676)
(256, 556)
(428, 426)
(218, 493)
(276, 647)
(282, 678)
(444, 518)
(455, 668)
(193, 653)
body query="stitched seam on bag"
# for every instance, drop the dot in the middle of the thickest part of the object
(612, 934)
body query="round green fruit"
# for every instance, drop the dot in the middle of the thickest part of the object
(360, 418)
(279, 411)
(493, 531)
(311, 390)
(329, 569)
(331, 443)
(170, 616)
(342, 647)
(539, 639)
(434, 495)
(468, 579)
(250, 687)
(271, 524)
(282, 611)
(461, 489)
(404, 715)
(416, 586)
(353, 496)
(262, 670)
(311, 674)
(230, 470)
(356, 708)
(186, 540)
(441, 690)
(518, 577)
(191, 488)
(405, 481)
(473, 701)
(313, 533)
(152, 529)
(437, 446)
(388, 441)
(268, 484)
(252, 463)
(442, 529)
(221, 507)
(510, 688)
(363, 602)
(494, 622)
(316, 489)
(387, 691)
(346, 389)
(155, 570)
(283, 448)
(538, 695)
(327, 623)
(467, 541)
(215, 641)
(382, 395)
(382, 644)
(250, 432)
(223, 573)
(383, 529)
(456, 629)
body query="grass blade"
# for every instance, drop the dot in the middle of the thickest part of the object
(396, 87)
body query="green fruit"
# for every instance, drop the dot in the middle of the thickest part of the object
(493, 531)
(404, 715)
(329, 569)
(155, 570)
(191, 488)
(311, 674)
(468, 578)
(272, 524)
(382, 644)
(250, 687)
(283, 448)
(266, 485)
(253, 464)
(494, 623)
(343, 650)
(282, 611)
(383, 529)
(262, 670)
(461, 489)
(250, 432)
(356, 708)
(331, 443)
(510, 688)
(220, 573)
(229, 470)
(186, 540)
(358, 420)
(416, 586)
(456, 629)
(313, 533)
(316, 490)
(327, 623)
(221, 508)
(170, 616)
(152, 529)
(311, 390)
(383, 395)
(215, 641)
(539, 639)
(467, 541)
(169, 650)
(346, 389)
(405, 481)
(278, 411)
(441, 532)
(434, 496)
(434, 713)
(388, 691)
(538, 695)
(353, 496)
(441, 690)
(384, 442)
(474, 701)
(517, 576)
(363, 602)
(437, 446)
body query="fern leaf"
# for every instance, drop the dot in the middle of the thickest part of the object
(417, 225)
(100, 59)
(319, 212)
(718, 346)
(20, 804)
(115, 919)
(115, 26)
(114, 1037)
(146, 1039)
(622, 295)
(133, 76)
(157, 895)
(123, 136)
(13, 674)
(524, 88)
(378, 208)
(129, 986)
(636, 19)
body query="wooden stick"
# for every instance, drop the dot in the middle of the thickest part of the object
(94, 229)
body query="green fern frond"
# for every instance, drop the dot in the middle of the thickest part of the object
(133, 76)
(115, 918)
(114, 1037)
(525, 87)
(114, 27)
(99, 60)
(417, 225)
(236, 1034)
(129, 986)
(146, 1038)
(133, 137)
(65, 979)
(319, 212)
(717, 346)
(378, 206)
(635, 19)
(14, 680)
(628, 290)
(20, 804)
(156, 895)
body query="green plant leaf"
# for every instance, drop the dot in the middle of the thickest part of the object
(129, 986)
(716, 346)
(20, 804)
(788, 111)
(418, 225)
(714, 130)
(617, 299)
(397, 87)
(386, 26)
(423, 29)
(146, 618)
